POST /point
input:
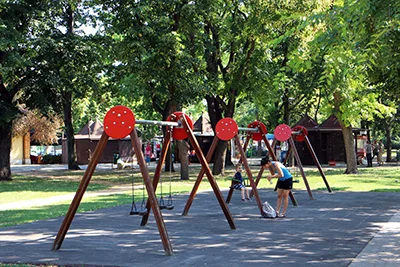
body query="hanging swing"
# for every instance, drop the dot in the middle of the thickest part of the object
(136, 209)
(168, 203)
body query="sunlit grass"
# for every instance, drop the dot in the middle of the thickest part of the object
(27, 187)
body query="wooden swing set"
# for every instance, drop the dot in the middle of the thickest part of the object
(120, 122)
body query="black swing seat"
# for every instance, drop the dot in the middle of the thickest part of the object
(142, 210)
(166, 204)
(170, 207)
(139, 211)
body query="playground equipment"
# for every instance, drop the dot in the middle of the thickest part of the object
(120, 122)
(300, 134)
(225, 130)
(257, 131)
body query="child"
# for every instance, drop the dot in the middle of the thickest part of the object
(285, 183)
(238, 183)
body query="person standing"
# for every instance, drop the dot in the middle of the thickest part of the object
(368, 151)
(284, 185)
(381, 149)
(147, 152)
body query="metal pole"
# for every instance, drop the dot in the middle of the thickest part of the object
(161, 123)
(248, 129)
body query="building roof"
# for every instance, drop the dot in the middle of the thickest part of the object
(330, 123)
(92, 128)
(203, 125)
(307, 122)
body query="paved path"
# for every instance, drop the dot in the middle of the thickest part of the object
(338, 229)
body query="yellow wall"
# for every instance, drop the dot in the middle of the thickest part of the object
(17, 150)
(20, 150)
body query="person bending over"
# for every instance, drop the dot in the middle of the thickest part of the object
(284, 184)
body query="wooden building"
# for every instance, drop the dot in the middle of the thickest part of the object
(20, 150)
(87, 139)
(326, 140)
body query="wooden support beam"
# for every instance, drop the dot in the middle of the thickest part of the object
(200, 177)
(151, 193)
(314, 156)
(80, 192)
(249, 175)
(208, 172)
(296, 155)
(157, 173)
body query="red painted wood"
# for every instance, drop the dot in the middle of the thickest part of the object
(119, 122)
(179, 133)
(226, 129)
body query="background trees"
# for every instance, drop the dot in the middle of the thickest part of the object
(16, 30)
(276, 60)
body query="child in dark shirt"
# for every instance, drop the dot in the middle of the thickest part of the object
(238, 183)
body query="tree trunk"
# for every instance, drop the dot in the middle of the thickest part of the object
(388, 134)
(183, 148)
(69, 131)
(351, 160)
(219, 158)
(67, 97)
(5, 148)
(348, 138)
(215, 114)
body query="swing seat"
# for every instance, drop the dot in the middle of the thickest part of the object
(161, 203)
(133, 212)
(142, 211)
(169, 207)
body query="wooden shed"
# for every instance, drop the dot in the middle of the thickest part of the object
(87, 139)
(326, 140)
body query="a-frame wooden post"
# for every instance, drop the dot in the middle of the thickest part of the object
(242, 159)
(211, 178)
(89, 173)
(79, 193)
(196, 185)
(157, 172)
(314, 156)
(151, 193)
(300, 165)
(204, 170)
(273, 156)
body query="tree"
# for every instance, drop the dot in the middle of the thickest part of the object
(65, 65)
(16, 31)
(44, 129)
(382, 45)
(345, 82)
(154, 68)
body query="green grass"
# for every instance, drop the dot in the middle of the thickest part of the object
(42, 185)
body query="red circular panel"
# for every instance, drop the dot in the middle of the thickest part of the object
(226, 129)
(282, 132)
(256, 124)
(179, 133)
(303, 132)
(119, 122)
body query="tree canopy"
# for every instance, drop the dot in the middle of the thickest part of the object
(269, 60)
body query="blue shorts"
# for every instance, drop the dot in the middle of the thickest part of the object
(238, 186)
